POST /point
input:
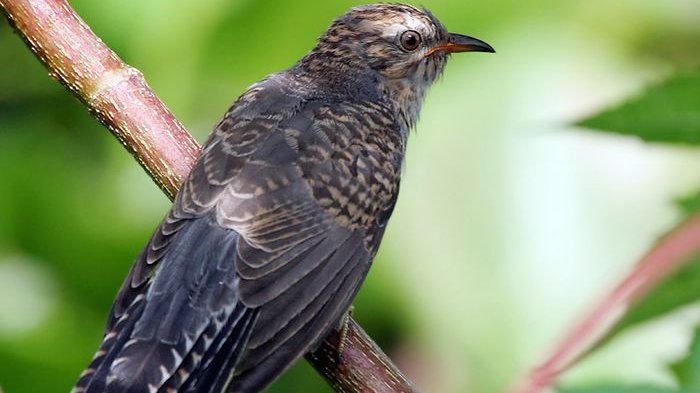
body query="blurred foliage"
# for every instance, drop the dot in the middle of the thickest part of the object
(75, 208)
(687, 370)
(689, 204)
(668, 112)
(625, 389)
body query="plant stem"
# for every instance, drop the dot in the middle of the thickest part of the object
(669, 254)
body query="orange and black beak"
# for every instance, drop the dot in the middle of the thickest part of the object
(461, 43)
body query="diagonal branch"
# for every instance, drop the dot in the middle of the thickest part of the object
(361, 367)
(118, 96)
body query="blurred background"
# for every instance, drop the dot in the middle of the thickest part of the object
(510, 223)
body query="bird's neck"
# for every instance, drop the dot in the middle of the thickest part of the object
(339, 75)
(407, 98)
(347, 77)
(354, 82)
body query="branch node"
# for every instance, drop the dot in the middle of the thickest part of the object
(98, 90)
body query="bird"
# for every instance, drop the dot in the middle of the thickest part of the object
(274, 229)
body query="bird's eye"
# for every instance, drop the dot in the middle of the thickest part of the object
(410, 40)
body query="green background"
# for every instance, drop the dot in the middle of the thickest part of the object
(510, 222)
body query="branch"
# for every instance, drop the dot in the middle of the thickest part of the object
(118, 96)
(670, 253)
(360, 366)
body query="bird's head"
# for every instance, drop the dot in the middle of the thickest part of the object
(390, 51)
(397, 41)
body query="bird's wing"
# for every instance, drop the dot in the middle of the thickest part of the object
(301, 264)
(257, 259)
(186, 270)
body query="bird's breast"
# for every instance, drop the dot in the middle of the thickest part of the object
(351, 159)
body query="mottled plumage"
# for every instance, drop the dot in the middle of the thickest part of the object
(276, 226)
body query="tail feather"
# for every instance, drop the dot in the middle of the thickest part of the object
(183, 317)
(143, 364)
(94, 378)
(222, 355)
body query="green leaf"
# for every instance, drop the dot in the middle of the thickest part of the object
(667, 112)
(687, 370)
(623, 389)
(689, 204)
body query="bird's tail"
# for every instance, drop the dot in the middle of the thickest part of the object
(185, 329)
(116, 337)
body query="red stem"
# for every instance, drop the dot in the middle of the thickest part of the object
(669, 254)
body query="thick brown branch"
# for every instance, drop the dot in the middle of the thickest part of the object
(120, 98)
(372, 370)
(116, 94)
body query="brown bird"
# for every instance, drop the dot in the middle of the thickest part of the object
(276, 226)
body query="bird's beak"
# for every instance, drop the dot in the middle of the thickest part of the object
(461, 43)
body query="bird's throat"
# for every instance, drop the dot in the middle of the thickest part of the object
(407, 98)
